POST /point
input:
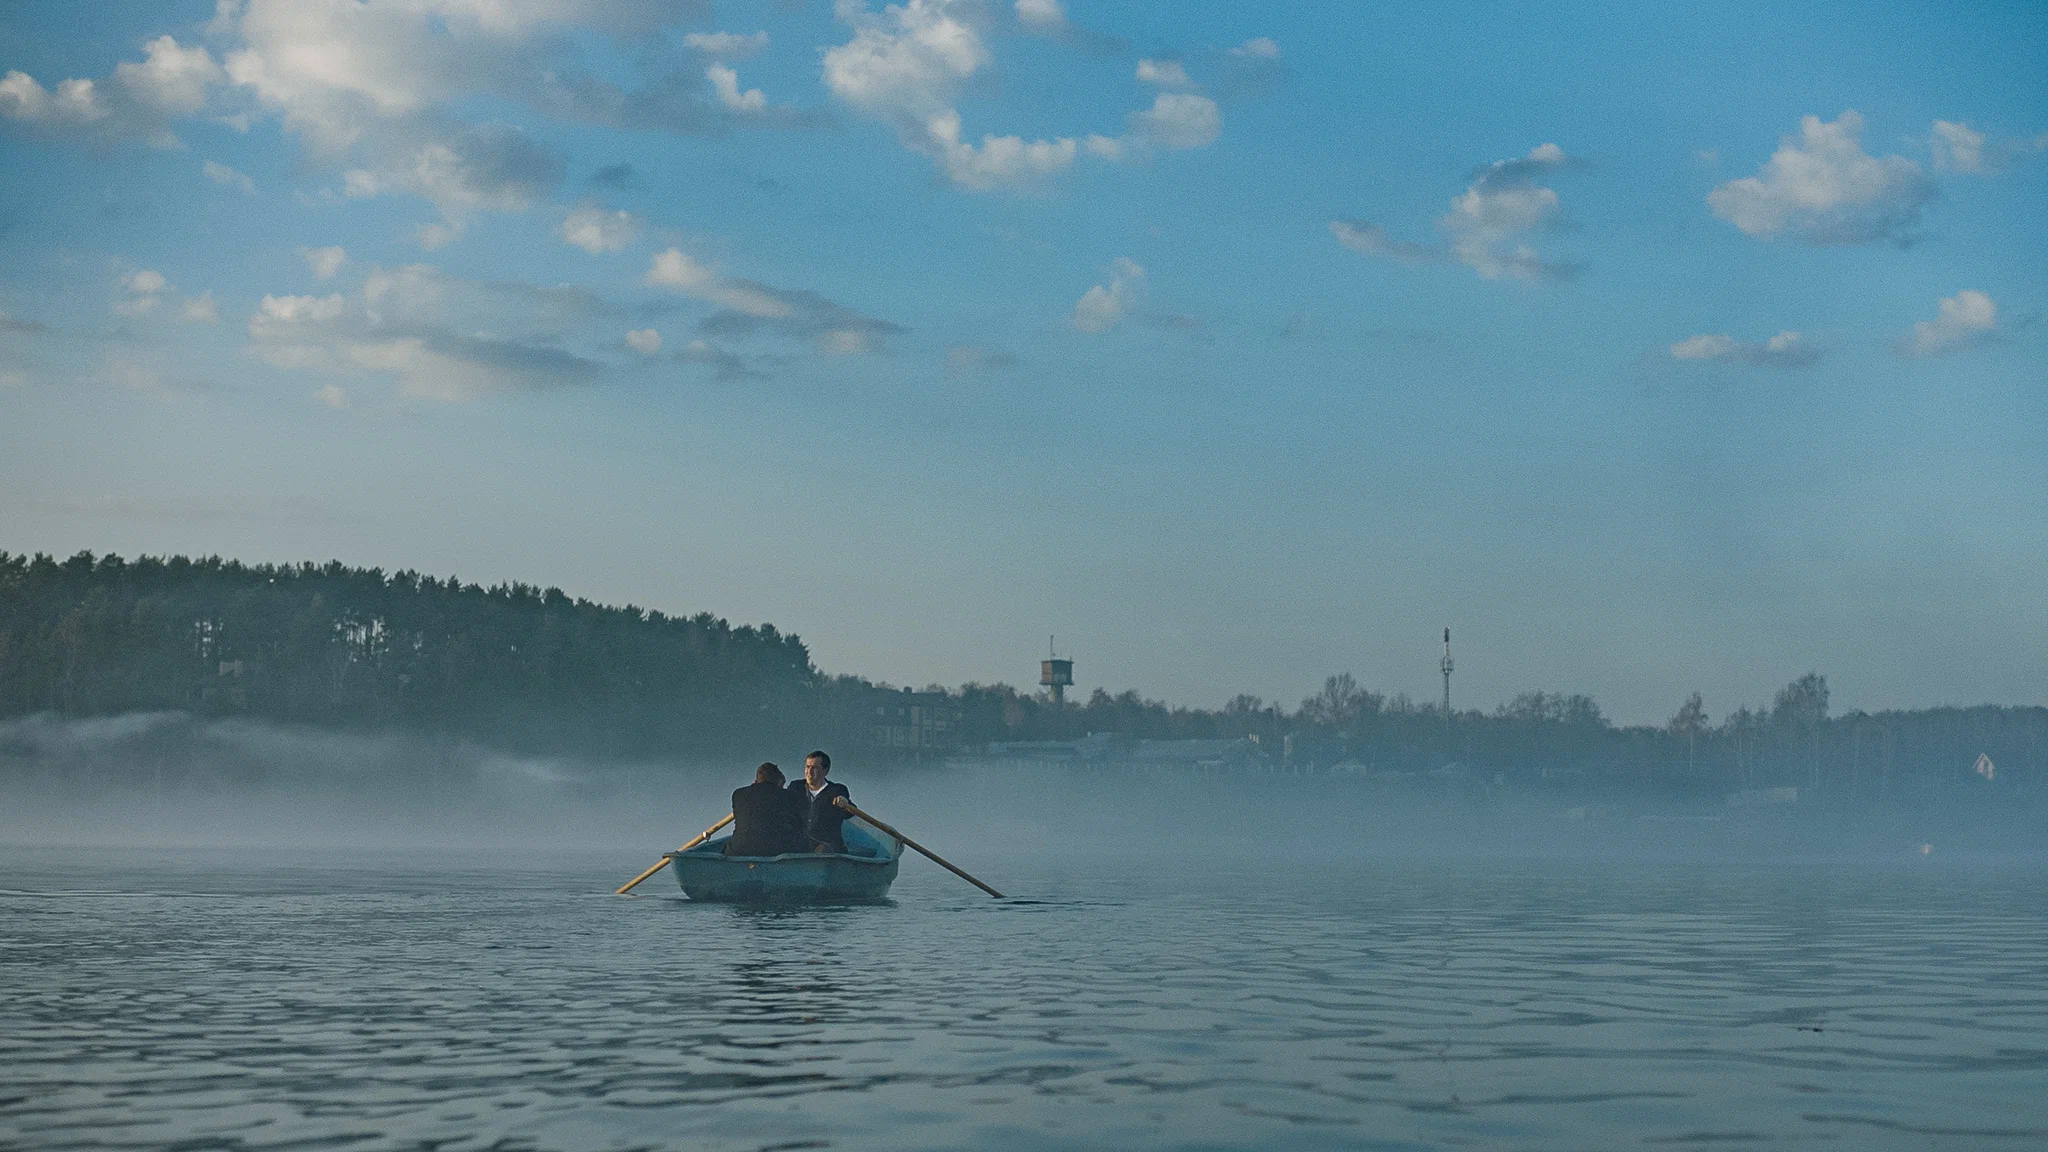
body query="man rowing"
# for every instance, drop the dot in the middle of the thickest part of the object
(814, 796)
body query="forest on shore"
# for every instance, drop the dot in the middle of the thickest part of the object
(536, 670)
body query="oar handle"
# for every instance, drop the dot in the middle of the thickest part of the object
(934, 857)
(663, 862)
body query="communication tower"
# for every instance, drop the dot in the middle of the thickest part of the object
(1447, 675)
(1055, 675)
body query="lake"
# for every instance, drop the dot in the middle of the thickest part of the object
(269, 999)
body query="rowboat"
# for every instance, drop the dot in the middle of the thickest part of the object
(861, 874)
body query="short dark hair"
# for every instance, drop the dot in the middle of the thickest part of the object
(767, 772)
(823, 760)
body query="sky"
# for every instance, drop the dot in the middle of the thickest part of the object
(1651, 351)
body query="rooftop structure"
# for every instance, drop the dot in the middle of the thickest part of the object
(1055, 675)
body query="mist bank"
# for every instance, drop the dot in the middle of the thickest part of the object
(539, 677)
(174, 779)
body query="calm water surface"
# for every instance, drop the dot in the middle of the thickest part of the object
(336, 1000)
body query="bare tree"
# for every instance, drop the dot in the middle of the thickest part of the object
(1690, 721)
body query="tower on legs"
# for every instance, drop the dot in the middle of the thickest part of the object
(1055, 675)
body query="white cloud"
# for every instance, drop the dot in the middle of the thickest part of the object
(1484, 225)
(675, 271)
(1487, 223)
(488, 169)
(597, 231)
(999, 160)
(1104, 305)
(1176, 121)
(843, 341)
(1164, 74)
(379, 74)
(73, 105)
(726, 83)
(726, 365)
(1787, 349)
(200, 309)
(413, 291)
(1964, 320)
(134, 373)
(1957, 147)
(1821, 187)
(1703, 348)
(331, 66)
(137, 102)
(324, 262)
(645, 341)
(222, 174)
(727, 45)
(1041, 15)
(907, 62)
(1487, 226)
(297, 310)
(1372, 240)
(397, 329)
(331, 396)
(145, 290)
(965, 360)
(906, 65)
(436, 236)
(1253, 68)
(369, 84)
(171, 79)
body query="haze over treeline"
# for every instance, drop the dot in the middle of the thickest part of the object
(535, 670)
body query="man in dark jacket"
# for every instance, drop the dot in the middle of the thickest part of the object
(765, 819)
(814, 797)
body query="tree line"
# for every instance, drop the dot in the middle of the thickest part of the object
(535, 669)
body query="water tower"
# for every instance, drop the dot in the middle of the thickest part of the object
(1055, 675)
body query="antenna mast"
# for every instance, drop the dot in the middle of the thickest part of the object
(1447, 675)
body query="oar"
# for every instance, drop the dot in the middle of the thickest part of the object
(663, 862)
(934, 857)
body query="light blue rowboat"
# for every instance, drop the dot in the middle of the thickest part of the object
(861, 874)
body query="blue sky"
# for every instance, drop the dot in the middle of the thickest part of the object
(1236, 344)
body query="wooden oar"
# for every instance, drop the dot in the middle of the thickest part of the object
(663, 862)
(934, 857)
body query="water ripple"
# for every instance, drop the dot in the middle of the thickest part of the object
(1383, 1007)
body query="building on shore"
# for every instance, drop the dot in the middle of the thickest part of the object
(919, 723)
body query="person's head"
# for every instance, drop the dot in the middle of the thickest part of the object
(768, 774)
(816, 765)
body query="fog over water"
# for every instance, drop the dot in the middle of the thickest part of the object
(229, 934)
(174, 780)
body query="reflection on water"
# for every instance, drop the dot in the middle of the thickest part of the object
(264, 1001)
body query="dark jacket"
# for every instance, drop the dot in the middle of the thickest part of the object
(821, 818)
(766, 821)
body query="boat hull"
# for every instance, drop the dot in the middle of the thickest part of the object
(860, 875)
